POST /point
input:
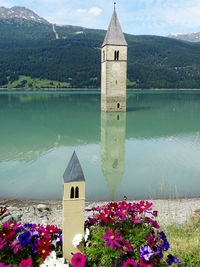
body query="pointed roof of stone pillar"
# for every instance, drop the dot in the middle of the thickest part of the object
(73, 172)
(114, 35)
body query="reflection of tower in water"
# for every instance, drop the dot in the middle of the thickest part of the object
(113, 134)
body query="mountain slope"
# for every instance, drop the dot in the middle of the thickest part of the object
(31, 49)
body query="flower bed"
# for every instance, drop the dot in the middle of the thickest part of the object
(117, 234)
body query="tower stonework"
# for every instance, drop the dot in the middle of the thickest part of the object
(73, 206)
(113, 68)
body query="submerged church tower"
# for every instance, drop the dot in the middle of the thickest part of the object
(113, 68)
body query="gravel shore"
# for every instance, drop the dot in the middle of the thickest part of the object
(50, 211)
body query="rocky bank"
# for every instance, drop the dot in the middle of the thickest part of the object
(50, 212)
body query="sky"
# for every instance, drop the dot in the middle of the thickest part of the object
(155, 17)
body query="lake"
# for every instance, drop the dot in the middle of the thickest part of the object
(151, 151)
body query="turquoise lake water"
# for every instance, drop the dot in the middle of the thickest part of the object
(151, 151)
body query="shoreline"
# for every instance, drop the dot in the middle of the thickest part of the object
(90, 89)
(171, 211)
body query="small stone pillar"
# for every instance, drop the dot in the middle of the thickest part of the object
(73, 205)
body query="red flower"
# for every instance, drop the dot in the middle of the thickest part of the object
(26, 263)
(105, 216)
(52, 229)
(43, 248)
(113, 206)
(144, 263)
(78, 260)
(150, 240)
(7, 234)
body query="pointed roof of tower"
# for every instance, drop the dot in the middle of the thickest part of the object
(114, 35)
(73, 172)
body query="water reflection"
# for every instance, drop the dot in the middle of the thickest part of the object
(113, 135)
(160, 133)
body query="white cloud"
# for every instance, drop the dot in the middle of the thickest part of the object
(95, 11)
(53, 1)
(81, 10)
(5, 4)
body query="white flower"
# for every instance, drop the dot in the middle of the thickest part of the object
(87, 234)
(77, 240)
(52, 261)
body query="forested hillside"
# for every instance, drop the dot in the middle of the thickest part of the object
(30, 49)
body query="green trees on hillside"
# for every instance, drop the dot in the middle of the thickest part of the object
(31, 49)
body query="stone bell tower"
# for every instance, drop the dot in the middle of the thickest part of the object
(113, 68)
(73, 205)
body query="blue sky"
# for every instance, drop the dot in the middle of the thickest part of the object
(157, 17)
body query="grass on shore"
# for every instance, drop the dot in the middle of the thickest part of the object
(184, 243)
(27, 82)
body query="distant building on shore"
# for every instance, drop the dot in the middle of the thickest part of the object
(114, 68)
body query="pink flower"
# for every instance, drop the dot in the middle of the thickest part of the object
(143, 263)
(123, 211)
(78, 260)
(16, 246)
(3, 265)
(112, 239)
(130, 263)
(155, 213)
(26, 263)
(144, 206)
(13, 226)
(126, 247)
(136, 219)
(2, 243)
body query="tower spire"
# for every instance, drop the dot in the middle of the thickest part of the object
(114, 5)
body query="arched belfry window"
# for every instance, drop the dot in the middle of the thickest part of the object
(118, 105)
(104, 57)
(116, 55)
(72, 192)
(77, 192)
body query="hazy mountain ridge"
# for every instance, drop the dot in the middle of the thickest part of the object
(20, 13)
(190, 37)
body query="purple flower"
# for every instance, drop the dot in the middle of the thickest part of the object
(118, 264)
(162, 235)
(24, 238)
(159, 252)
(28, 225)
(59, 242)
(172, 259)
(146, 253)
(165, 244)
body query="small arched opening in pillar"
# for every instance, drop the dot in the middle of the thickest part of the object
(77, 192)
(118, 117)
(118, 105)
(72, 192)
(116, 55)
(104, 56)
